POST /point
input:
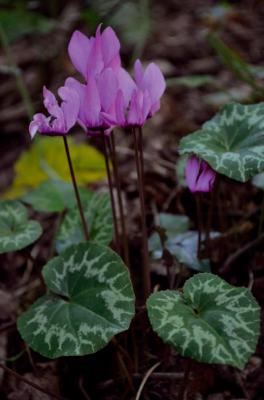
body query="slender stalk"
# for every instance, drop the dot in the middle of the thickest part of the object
(139, 165)
(76, 191)
(200, 224)
(110, 184)
(32, 384)
(17, 73)
(112, 148)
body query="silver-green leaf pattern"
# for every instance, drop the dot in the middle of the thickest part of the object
(98, 214)
(16, 230)
(232, 142)
(210, 321)
(91, 299)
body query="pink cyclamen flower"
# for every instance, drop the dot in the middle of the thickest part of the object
(91, 56)
(62, 118)
(199, 175)
(137, 101)
(97, 97)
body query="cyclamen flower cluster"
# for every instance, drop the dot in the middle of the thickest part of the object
(109, 96)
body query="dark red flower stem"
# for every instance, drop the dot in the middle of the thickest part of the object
(199, 223)
(76, 190)
(119, 197)
(111, 191)
(140, 172)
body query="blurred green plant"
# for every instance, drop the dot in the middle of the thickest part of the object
(244, 71)
(131, 19)
(18, 22)
(45, 160)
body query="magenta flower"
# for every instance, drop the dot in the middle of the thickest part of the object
(62, 118)
(98, 96)
(139, 100)
(91, 56)
(199, 175)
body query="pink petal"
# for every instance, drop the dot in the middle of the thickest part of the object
(39, 121)
(95, 62)
(70, 106)
(73, 84)
(51, 103)
(120, 108)
(79, 51)
(206, 179)
(110, 46)
(107, 86)
(136, 104)
(153, 81)
(92, 105)
(126, 84)
(199, 175)
(191, 172)
(138, 72)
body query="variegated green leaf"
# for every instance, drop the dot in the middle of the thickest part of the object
(91, 299)
(98, 215)
(16, 230)
(54, 196)
(211, 321)
(232, 142)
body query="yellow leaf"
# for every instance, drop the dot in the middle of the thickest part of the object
(46, 159)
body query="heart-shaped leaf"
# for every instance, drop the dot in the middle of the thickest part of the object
(54, 196)
(211, 321)
(181, 243)
(99, 218)
(91, 299)
(16, 230)
(173, 224)
(232, 142)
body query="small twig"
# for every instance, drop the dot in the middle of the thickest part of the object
(7, 326)
(85, 395)
(32, 384)
(237, 254)
(76, 190)
(149, 372)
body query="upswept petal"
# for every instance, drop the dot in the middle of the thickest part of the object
(70, 106)
(92, 104)
(51, 104)
(120, 108)
(107, 86)
(153, 81)
(138, 73)
(191, 172)
(40, 122)
(110, 46)
(139, 108)
(126, 85)
(95, 62)
(199, 175)
(79, 51)
(206, 179)
(73, 84)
